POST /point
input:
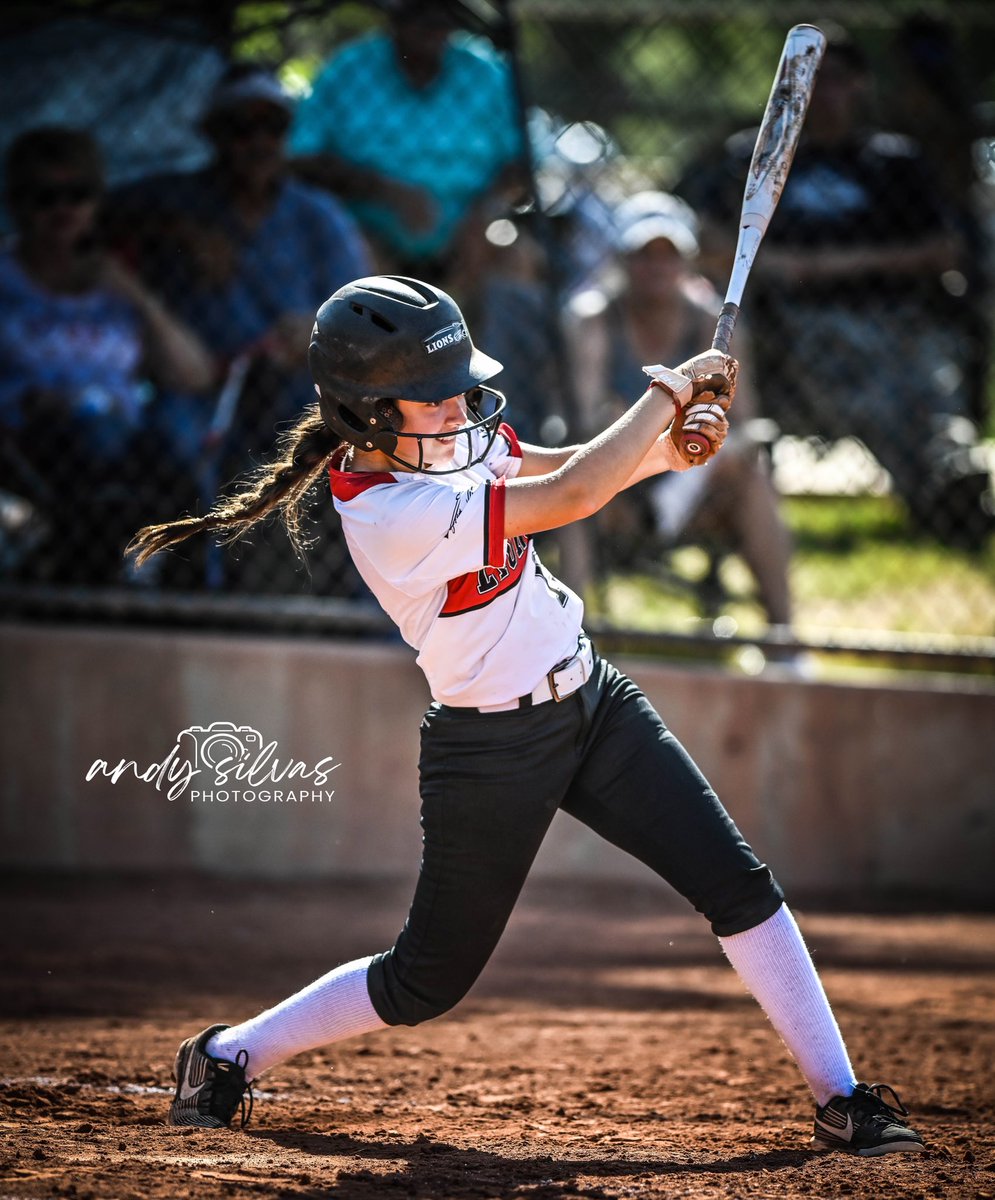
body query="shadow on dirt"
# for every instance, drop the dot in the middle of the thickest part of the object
(430, 1167)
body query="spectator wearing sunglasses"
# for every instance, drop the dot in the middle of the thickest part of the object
(82, 345)
(246, 252)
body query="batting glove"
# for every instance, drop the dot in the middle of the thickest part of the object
(705, 421)
(714, 372)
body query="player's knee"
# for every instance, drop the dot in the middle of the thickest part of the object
(406, 997)
(742, 901)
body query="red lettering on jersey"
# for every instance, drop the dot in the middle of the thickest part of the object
(478, 588)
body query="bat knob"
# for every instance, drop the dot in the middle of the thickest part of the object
(692, 446)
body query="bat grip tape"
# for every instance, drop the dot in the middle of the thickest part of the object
(724, 328)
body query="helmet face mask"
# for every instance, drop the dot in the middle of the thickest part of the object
(385, 338)
(472, 441)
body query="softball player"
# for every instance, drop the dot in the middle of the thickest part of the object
(439, 502)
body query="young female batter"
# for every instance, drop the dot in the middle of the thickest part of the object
(439, 502)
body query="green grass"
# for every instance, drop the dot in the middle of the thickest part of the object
(856, 567)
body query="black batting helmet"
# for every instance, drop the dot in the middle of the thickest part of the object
(386, 338)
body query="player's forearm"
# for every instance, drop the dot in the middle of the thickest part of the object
(661, 456)
(593, 474)
(540, 460)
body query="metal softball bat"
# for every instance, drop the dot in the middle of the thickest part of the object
(777, 140)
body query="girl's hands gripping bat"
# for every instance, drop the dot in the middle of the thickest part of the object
(702, 388)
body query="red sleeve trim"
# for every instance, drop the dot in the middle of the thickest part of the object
(347, 485)
(494, 547)
(511, 438)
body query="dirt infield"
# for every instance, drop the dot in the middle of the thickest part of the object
(608, 1051)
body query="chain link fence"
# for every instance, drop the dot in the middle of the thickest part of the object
(182, 190)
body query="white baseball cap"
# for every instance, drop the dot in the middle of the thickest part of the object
(235, 87)
(647, 216)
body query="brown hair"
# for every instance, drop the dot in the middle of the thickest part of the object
(281, 485)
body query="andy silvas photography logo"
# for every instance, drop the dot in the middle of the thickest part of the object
(230, 764)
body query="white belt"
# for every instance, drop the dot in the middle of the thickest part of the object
(558, 683)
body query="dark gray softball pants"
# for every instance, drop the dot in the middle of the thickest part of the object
(490, 785)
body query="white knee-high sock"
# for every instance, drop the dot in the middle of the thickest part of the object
(774, 963)
(334, 1007)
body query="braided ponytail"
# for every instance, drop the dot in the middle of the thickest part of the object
(303, 454)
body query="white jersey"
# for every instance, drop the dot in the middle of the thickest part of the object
(486, 617)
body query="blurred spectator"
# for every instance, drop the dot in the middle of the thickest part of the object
(932, 100)
(577, 191)
(518, 319)
(81, 341)
(540, 257)
(665, 312)
(246, 253)
(417, 127)
(851, 324)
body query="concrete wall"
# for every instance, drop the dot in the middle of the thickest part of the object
(853, 789)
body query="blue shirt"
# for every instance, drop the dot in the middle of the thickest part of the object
(306, 247)
(88, 348)
(451, 138)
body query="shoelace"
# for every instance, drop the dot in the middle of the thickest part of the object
(897, 1109)
(244, 1117)
(231, 1087)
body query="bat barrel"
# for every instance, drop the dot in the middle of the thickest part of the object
(772, 155)
(777, 140)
